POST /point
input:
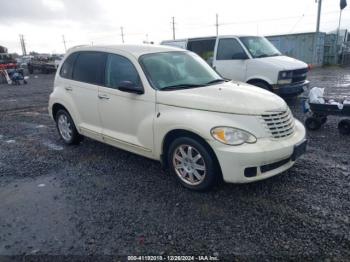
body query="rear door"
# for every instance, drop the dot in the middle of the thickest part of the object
(231, 59)
(88, 75)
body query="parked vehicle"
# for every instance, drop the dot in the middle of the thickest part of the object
(45, 65)
(170, 105)
(7, 61)
(250, 59)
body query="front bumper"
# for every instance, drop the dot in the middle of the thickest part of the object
(293, 89)
(234, 160)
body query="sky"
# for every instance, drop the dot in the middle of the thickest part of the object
(86, 22)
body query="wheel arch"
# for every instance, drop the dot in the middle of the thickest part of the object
(173, 134)
(259, 80)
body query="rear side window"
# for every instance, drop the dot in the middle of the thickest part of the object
(230, 49)
(89, 67)
(67, 67)
(204, 48)
(119, 69)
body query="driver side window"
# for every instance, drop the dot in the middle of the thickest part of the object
(120, 69)
(230, 49)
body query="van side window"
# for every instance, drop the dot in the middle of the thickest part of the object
(230, 49)
(67, 67)
(119, 69)
(204, 48)
(89, 67)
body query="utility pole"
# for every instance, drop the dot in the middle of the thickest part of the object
(122, 34)
(64, 43)
(173, 22)
(23, 44)
(217, 24)
(316, 38)
(318, 16)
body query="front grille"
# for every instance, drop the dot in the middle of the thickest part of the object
(279, 124)
(299, 75)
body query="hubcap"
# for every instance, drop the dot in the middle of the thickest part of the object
(189, 165)
(65, 128)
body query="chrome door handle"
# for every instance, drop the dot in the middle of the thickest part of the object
(68, 88)
(103, 97)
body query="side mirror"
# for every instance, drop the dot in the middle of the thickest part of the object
(130, 87)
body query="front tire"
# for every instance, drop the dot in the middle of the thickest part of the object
(66, 128)
(193, 164)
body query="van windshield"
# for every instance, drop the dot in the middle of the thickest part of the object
(259, 47)
(178, 70)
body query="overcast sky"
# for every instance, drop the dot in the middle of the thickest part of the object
(43, 22)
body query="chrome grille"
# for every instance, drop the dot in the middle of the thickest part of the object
(279, 124)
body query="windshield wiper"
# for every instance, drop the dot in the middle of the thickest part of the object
(180, 86)
(219, 80)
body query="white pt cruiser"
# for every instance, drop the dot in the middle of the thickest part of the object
(170, 105)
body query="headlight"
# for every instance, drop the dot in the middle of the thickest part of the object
(285, 77)
(232, 136)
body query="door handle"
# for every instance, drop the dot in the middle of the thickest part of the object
(103, 97)
(68, 88)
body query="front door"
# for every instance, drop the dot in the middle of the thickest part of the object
(230, 59)
(127, 118)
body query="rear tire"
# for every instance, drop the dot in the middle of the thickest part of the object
(344, 127)
(66, 128)
(313, 123)
(192, 164)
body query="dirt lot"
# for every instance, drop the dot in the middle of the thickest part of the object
(96, 199)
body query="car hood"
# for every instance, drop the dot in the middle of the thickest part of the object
(229, 97)
(283, 62)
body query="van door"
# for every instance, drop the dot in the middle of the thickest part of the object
(230, 59)
(127, 118)
(88, 74)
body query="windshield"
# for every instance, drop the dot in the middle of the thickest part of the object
(171, 70)
(259, 46)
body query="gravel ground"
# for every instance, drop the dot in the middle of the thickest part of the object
(98, 200)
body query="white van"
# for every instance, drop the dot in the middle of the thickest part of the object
(250, 59)
(170, 105)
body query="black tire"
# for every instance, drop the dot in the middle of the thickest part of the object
(212, 171)
(323, 120)
(313, 123)
(344, 127)
(75, 137)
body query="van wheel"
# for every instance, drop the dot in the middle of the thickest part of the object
(192, 164)
(66, 128)
(313, 123)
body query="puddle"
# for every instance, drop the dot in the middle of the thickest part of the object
(53, 146)
(11, 141)
(1, 136)
(40, 126)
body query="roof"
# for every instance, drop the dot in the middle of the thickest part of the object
(135, 50)
(208, 37)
